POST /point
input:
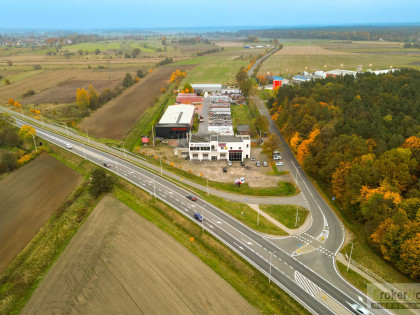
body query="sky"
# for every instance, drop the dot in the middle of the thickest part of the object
(96, 14)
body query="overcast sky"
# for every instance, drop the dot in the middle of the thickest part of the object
(88, 14)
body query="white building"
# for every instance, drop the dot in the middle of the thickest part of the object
(208, 147)
(201, 88)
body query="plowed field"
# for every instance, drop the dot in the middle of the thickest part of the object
(28, 197)
(119, 263)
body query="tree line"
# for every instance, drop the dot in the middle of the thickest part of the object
(361, 136)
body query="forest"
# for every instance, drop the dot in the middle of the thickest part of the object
(361, 137)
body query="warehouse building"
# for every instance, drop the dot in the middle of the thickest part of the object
(211, 88)
(176, 122)
(189, 98)
(211, 147)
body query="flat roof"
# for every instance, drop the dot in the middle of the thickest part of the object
(178, 114)
(199, 85)
(229, 139)
(242, 127)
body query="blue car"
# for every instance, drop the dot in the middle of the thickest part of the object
(198, 216)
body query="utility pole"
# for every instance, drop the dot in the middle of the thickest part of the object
(65, 125)
(297, 172)
(202, 221)
(153, 134)
(207, 187)
(33, 137)
(258, 216)
(348, 265)
(87, 135)
(271, 256)
(124, 150)
(84, 150)
(160, 160)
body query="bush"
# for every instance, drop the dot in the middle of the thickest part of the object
(101, 182)
(141, 73)
(6, 81)
(128, 80)
(37, 67)
(28, 93)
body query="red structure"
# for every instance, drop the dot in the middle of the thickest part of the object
(276, 84)
(189, 98)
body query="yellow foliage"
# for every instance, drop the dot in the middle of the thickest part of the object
(295, 141)
(303, 148)
(11, 101)
(275, 116)
(366, 193)
(412, 143)
(177, 75)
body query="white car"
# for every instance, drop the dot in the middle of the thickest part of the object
(279, 163)
(277, 157)
(69, 146)
(265, 164)
(229, 163)
(360, 309)
(258, 164)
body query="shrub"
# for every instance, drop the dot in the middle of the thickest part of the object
(37, 67)
(28, 93)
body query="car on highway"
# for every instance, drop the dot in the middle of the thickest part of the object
(265, 164)
(198, 216)
(191, 197)
(359, 309)
(279, 163)
(107, 164)
(229, 163)
(258, 164)
(225, 170)
(69, 146)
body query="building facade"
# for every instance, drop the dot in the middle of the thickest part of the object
(176, 122)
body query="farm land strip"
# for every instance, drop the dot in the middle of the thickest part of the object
(116, 244)
(29, 196)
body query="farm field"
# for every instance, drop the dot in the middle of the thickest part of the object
(29, 196)
(219, 67)
(292, 60)
(65, 92)
(114, 265)
(122, 112)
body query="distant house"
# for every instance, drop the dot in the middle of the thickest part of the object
(243, 129)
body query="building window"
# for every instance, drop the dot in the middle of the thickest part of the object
(212, 147)
(205, 155)
(231, 148)
(240, 148)
(195, 155)
(247, 145)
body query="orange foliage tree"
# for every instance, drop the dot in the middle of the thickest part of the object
(303, 148)
(82, 98)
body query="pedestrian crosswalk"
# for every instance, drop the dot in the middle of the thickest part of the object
(306, 284)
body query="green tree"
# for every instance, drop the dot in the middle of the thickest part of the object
(261, 124)
(6, 120)
(93, 98)
(271, 144)
(136, 52)
(101, 182)
(188, 87)
(141, 73)
(97, 51)
(128, 80)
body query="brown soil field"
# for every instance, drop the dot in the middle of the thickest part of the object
(39, 82)
(120, 263)
(65, 92)
(115, 119)
(28, 198)
(307, 50)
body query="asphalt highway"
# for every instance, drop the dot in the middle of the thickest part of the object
(279, 259)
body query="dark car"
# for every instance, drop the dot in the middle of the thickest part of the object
(242, 163)
(225, 170)
(107, 164)
(191, 197)
(198, 216)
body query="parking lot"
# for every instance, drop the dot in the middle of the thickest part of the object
(255, 176)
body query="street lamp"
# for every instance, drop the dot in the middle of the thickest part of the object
(202, 221)
(84, 150)
(65, 125)
(297, 172)
(87, 135)
(161, 171)
(258, 216)
(33, 137)
(297, 211)
(348, 265)
(124, 150)
(271, 256)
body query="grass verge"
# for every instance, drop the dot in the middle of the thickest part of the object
(250, 283)
(286, 214)
(276, 171)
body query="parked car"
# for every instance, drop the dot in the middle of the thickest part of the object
(276, 152)
(265, 164)
(229, 163)
(225, 170)
(279, 164)
(191, 197)
(253, 158)
(107, 164)
(242, 163)
(69, 146)
(198, 216)
(258, 164)
(277, 157)
(359, 309)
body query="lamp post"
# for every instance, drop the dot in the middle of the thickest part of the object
(297, 171)
(258, 216)
(202, 221)
(84, 150)
(161, 171)
(87, 135)
(271, 256)
(124, 150)
(33, 137)
(65, 125)
(348, 265)
(207, 187)
(297, 211)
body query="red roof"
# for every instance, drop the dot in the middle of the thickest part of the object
(189, 99)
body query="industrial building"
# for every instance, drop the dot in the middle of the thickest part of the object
(189, 98)
(211, 88)
(176, 122)
(211, 147)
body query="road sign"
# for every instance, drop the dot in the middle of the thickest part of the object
(299, 245)
(145, 140)
(333, 198)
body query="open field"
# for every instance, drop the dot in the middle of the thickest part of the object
(114, 265)
(65, 92)
(286, 214)
(306, 50)
(122, 112)
(219, 67)
(28, 198)
(290, 65)
(229, 44)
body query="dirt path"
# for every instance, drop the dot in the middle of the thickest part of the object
(119, 263)
(28, 197)
(115, 119)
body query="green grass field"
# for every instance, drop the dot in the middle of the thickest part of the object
(20, 76)
(241, 115)
(286, 214)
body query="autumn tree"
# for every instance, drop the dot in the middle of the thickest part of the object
(27, 132)
(188, 87)
(11, 101)
(177, 76)
(271, 144)
(6, 120)
(261, 124)
(82, 98)
(93, 97)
